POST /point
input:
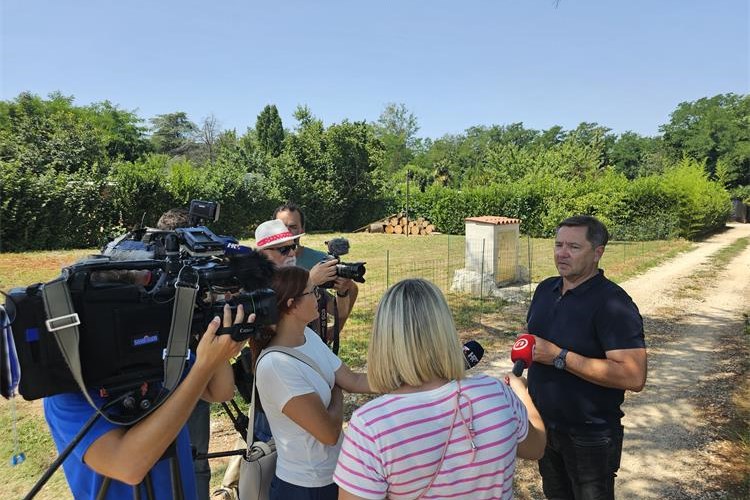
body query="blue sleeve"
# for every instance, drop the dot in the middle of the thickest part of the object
(66, 414)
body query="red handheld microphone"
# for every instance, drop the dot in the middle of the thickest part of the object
(522, 353)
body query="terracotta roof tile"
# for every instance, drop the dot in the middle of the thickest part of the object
(491, 219)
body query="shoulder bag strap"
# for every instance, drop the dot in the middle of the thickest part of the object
(298, 355)
(251, 411)
(447, 442)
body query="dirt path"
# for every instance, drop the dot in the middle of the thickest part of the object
(671, 448)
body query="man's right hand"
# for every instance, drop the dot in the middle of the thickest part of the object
(323, 272)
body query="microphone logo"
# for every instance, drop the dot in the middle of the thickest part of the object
(521, 343)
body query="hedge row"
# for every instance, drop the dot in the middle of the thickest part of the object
(84, 209)
(682, 202)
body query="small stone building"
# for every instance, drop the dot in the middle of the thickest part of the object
(491, 258)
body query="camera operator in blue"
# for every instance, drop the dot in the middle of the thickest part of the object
(128, 455)
(346, 290)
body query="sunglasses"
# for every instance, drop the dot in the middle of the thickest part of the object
(285, 250)
(315, 291)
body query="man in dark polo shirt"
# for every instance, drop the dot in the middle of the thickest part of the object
(589, 349)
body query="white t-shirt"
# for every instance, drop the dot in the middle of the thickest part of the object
(393, 444)
(302, 459)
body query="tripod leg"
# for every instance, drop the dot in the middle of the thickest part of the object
(149, 487)
(62, 456)
(174, 466)
(104, 488)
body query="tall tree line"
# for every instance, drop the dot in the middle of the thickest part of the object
(345, 173)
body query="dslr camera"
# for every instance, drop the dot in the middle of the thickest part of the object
(352, 270)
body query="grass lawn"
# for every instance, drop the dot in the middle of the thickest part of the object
(389, 258)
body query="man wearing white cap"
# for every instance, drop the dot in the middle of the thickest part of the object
(277, 242)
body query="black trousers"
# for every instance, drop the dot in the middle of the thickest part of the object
(281, 490)
(579, 466)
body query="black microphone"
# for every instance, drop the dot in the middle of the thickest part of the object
(473, 353)
(338, 246)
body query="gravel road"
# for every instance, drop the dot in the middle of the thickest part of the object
(672, 449)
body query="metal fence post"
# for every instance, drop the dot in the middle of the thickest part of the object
(448, 268)
(529, 250)
(481, 286)
(387, 268)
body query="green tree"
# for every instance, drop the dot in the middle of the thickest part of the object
(713, 129)
(270, 131)
(42, 135)
(333, 173)
(630, 153)
(173, 134)
(123, 132)
(550, 137)
(397, 129)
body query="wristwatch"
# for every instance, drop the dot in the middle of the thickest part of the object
(559, 361)
(345, 294)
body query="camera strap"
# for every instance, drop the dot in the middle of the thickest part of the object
(63, 323)
(322, 325)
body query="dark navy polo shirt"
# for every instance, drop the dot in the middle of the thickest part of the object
(592, 318)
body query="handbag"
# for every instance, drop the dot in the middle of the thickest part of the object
(258, 466)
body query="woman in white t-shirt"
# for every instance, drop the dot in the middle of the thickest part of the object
(437, 433)
(304, 409)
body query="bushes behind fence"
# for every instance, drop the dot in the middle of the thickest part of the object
(81, 209)
(682, 202)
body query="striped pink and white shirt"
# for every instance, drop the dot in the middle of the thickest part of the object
(393, 444)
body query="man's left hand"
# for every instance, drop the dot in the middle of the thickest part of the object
(545, 351)
(323, 272)
(343, 285)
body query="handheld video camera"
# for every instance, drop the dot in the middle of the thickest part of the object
(123, 304)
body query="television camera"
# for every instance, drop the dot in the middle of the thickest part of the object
(127, 308)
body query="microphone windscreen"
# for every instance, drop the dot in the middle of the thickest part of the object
(473, 353)
(252, 269)
(338, 246)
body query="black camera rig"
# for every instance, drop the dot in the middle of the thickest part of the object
(123, 332)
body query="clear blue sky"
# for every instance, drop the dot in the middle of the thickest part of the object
(625, 64)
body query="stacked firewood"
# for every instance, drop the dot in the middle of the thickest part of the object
(399, 224)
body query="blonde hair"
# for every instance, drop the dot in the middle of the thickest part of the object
(414, 339)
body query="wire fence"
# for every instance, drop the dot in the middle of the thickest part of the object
(516, 266)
